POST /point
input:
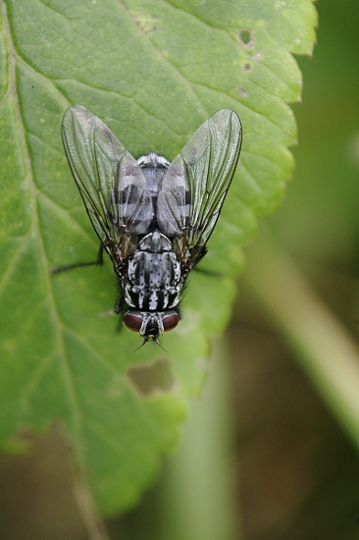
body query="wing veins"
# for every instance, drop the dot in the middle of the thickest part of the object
(96, 157)
(206, 166)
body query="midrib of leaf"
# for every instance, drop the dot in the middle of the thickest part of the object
(12, 91)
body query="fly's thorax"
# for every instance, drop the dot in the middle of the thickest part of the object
(155, 242)
(154, 278)
(151, 325)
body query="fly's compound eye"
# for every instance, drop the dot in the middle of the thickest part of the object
(170, 322)
(132, 322)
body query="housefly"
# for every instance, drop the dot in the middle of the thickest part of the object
(153, 217)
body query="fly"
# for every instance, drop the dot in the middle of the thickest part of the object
(153, 217)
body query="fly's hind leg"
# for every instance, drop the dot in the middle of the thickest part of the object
(99, 262)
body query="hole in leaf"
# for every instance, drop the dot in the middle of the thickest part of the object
(247, 67)
(246, 38)
(149, 378)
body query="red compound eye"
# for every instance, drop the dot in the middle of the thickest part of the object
(132, 322)
(170, 322)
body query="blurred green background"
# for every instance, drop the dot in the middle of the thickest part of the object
(293, 471)
(319, 220)
(299, 471)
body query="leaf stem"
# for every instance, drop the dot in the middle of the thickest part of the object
(198, 491)
(322, 345)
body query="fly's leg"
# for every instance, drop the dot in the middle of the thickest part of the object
(119, 310)
(119, 324)
(99, 261)
(119, 304)
(203, 270)
(71, 267)
(211, 273)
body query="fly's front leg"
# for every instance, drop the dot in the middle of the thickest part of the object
(119, 310)
(119, 304)
(120, 268)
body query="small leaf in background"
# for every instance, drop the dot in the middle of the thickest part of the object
(153, 71)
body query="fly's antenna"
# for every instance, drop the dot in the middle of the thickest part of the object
(159, 344)
(142, 344)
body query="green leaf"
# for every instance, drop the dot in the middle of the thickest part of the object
(153, 71)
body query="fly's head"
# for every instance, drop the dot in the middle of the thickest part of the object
(151, 325)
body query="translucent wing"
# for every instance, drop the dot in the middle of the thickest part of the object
(196, 183)
(111, 183)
